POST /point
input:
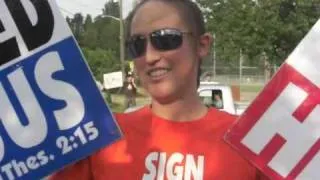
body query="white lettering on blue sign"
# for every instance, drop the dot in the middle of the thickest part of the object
(51, 111)
(75, 107)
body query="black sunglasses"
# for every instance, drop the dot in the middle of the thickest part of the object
(162, 40)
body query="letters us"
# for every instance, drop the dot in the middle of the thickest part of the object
(21, 113)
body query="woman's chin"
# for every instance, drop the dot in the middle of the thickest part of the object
(165, 92)
(162, 96)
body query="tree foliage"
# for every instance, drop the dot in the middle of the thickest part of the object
(99, 39)
(272, 28)
(101, 61)
(261, 29)
(111, 8)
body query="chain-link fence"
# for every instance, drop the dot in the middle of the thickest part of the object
(233, 76)
(237, 74)
(249, 79)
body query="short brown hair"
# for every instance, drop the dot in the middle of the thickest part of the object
(189, 11)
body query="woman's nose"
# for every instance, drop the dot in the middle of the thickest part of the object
(151, 55)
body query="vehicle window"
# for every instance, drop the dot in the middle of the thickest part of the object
(217, 99)
(212, 98)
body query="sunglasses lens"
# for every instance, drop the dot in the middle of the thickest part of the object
(166, 39)
(136, 46)
(163, 40)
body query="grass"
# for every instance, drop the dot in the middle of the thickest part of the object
(116, 107)
(251, 88)
(118, 100)
(249, 92)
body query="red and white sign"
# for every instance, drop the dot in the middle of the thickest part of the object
(280, 131)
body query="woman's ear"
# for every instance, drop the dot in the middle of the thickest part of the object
(205, 43)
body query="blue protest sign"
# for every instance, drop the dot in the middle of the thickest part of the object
(51, 111)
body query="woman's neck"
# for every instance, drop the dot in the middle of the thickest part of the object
(180, 110)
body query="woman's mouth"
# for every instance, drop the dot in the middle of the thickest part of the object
(158, 73)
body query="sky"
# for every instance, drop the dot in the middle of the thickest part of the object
(92, 7)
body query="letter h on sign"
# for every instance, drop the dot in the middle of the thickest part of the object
(277, 121)
(280, 131)
(283, 127)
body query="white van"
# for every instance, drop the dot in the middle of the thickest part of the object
(220, 96)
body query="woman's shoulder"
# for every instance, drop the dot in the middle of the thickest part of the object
(133, 113)
(221, 119)
(134, 119)
(222, 115)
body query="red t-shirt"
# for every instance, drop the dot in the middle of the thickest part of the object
(155, 148)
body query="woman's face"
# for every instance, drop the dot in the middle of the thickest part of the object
(166, 75)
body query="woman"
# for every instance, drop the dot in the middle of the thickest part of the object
(176, 136)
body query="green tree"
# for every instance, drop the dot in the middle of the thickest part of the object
(87, 22)
(101, 61)
(68, 20)
(107, 34)
(99, 39)
(261, 27)
(90, 34)
(77, 26)
(90, 38)
(111, 8)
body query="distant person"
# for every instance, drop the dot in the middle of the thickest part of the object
(130, 91)
(218, 103)
(207, 78)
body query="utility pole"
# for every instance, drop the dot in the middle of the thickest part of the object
(214, 56)
(240, 67)
(122, 51)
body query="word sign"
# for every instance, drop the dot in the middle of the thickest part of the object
(51, 110)
(280, 131)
